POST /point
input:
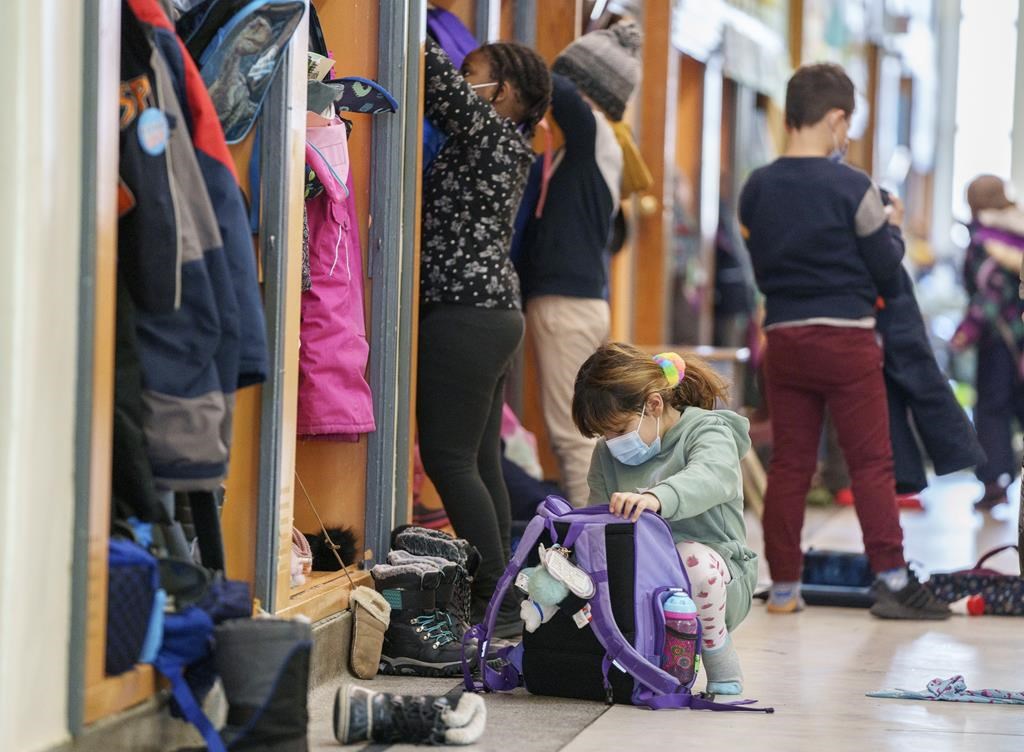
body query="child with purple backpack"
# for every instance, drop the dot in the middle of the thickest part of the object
(663, 448)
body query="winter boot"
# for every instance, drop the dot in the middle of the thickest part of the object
(419, 641)
(362, 715)
(444, 598)
(436, 544)
(264, 665)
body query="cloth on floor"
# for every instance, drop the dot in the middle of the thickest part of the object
(953, 689)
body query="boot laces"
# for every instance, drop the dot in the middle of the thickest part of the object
(436, 626)
(418, 719)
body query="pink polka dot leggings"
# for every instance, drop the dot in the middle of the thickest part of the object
(708, 575)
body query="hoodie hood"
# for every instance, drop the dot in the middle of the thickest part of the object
(695, 420)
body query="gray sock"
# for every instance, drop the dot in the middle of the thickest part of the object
(725, 677)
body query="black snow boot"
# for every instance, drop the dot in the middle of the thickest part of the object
(419, 640)
(362, 715)
(445, 596)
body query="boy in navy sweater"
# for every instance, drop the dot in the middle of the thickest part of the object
(819, 238)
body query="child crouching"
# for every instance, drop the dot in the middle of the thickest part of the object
(664, 448)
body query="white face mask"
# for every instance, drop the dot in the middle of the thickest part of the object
(630, 449)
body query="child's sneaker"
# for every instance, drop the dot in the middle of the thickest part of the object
(995, 494)
(910, 501)
(844, 497)
(913, 601)
(784, 598)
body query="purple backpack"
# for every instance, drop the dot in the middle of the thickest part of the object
(615, 656)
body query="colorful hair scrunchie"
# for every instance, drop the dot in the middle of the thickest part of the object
(673, 366)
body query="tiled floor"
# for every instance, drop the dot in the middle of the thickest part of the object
(814, 667)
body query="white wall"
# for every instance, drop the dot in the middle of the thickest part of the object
(1017, 170)
(40, 145)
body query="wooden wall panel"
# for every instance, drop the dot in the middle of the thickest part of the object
(558, 23)
(508, 20)
(622, 298)
(689, 116)
(241, 490)
(335, 472)
(651, 320)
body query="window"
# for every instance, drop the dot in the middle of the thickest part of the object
(985, 91)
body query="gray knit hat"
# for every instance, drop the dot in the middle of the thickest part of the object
(605, 65)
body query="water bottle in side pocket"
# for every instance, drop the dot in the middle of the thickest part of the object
(680, 652)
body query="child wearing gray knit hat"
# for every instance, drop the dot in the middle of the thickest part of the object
(605, 65)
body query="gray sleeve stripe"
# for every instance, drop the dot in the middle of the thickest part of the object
(870, 214)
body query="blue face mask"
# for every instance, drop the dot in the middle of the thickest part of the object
(838, 153)
(630, 449)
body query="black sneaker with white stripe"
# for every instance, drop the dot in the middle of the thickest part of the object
(913, 601)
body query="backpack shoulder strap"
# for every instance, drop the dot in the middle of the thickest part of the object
(508, 678)
(187, 702)
(593, 558)
(993, 552)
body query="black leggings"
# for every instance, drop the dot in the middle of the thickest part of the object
(464, 355)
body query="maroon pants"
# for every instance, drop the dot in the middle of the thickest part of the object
(806, 369)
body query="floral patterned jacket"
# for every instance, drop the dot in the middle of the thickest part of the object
(472, 191)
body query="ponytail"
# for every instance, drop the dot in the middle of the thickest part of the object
(618, 379)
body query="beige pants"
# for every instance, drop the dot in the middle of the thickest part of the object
(566, 331)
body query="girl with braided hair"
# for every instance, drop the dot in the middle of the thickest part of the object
(470, 319)
(663, 448)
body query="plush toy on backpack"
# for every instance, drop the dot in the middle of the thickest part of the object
(551, 584)
(545, 594)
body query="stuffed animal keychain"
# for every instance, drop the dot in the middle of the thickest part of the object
(550, 584)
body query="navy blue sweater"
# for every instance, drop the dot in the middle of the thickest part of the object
(562, 251)
(819, 240)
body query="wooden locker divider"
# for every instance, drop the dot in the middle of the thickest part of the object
(334, 472)
(105, 695)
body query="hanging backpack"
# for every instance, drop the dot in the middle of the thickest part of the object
(240, 60)
(133, 585)
(610, 648)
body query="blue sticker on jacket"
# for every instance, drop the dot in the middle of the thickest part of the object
(153, 131)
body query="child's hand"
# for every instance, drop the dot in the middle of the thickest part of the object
(631, 505)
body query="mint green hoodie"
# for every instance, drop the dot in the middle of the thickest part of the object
(696, 477)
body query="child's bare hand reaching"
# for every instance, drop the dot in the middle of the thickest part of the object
(631, 505)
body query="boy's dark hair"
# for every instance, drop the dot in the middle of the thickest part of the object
(527, 72)
(814, 90)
